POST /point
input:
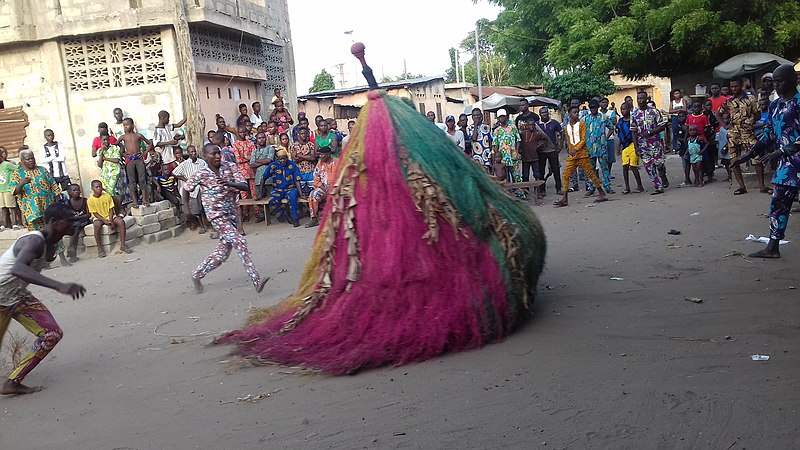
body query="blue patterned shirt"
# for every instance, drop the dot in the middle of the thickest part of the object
(783, 130)
(596, 133)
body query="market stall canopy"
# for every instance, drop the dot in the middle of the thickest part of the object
(745, 63)
(509, 102)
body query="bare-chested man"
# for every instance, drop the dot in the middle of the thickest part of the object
(131, 143)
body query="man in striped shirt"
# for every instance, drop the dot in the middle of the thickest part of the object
(186, 169)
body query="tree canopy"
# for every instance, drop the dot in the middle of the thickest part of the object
(579, 84)
(639, 37)
(323, 81)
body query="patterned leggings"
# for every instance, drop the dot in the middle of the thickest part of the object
(654, 166)
(605, 174)
(575, 163)
(36, 318)
(779, 207)
(229, 238)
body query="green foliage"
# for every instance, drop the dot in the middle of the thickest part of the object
(495, 70)
(405, 76)
(323, 81)
(639, 37)
(580, 84)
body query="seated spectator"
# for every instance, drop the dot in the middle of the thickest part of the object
(168, 186)
(185, 170)
(104, 212)
(80, 208)
(324, 175)
(285, 185)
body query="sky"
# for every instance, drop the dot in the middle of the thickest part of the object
(417, 31)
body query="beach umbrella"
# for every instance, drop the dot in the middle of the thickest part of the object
(745, 63)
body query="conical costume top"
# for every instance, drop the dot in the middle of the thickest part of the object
(419, 252)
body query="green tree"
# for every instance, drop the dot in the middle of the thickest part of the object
(580, 84)
(640, 37)
(323, 81)
(495, 70)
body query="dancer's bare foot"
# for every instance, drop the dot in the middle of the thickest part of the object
(14, 388)
(771, 251)
(198, 286)
(260, 285)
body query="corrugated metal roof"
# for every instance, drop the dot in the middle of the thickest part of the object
(13, 122)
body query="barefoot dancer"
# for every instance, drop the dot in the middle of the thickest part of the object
(220, 184)
(782, 130)
(21, 265)
(578, 157)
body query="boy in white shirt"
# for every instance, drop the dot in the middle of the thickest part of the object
(54, 159)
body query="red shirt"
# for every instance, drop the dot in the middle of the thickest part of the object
(96, 142)
(717, 102)
(700, 121)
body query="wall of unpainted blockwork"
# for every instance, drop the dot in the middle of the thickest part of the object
(32, 77)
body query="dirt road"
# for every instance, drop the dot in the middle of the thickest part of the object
(604, 363)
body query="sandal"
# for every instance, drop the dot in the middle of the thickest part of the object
(626, 191)
(657, 191)
(740, 191)
(560, 204)
(601, 200)
(766, 191)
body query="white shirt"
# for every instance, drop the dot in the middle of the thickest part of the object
(13, 289)
(256, 120)
(188, 168)
(574, 133)
(163, 135)
(54, 159)
(457, 138)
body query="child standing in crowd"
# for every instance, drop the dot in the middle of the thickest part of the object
(104, 212)
(710, 158)
(80, 208)
(102, 128)
(578, 157)
(55, 160)
(134, 163)
(165, 140)
(7, 200)
(722, 144)
(630, 160)
(696, 148)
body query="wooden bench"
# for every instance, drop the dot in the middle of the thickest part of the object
(264, 203)
(536, 184)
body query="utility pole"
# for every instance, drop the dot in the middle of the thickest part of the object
(456, 67)
(340, 66)
(196, 123)
(478, 62)
(405, 70)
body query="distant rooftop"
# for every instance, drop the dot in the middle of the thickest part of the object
(357, 89)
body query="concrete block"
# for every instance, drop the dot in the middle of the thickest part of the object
(134, 232)
(133, 242)
(146, 220)
(157, 237)
(129, 221)
(144, 210)
(12, 235)
(179, 219)
(167, 223)
(177, 230)
(151, 228)
(165, 214)
(90, 241)
(163, 205)
(89, 230)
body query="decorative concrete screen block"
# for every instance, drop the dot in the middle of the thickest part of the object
(147, 220)
(114, 60)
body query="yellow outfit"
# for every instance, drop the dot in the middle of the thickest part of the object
(629, 156)
(101, 205)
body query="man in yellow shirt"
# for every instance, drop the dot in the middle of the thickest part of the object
(104, 212)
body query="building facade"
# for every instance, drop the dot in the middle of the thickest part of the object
(66, 64)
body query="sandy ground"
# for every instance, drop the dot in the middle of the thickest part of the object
(602, 364)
